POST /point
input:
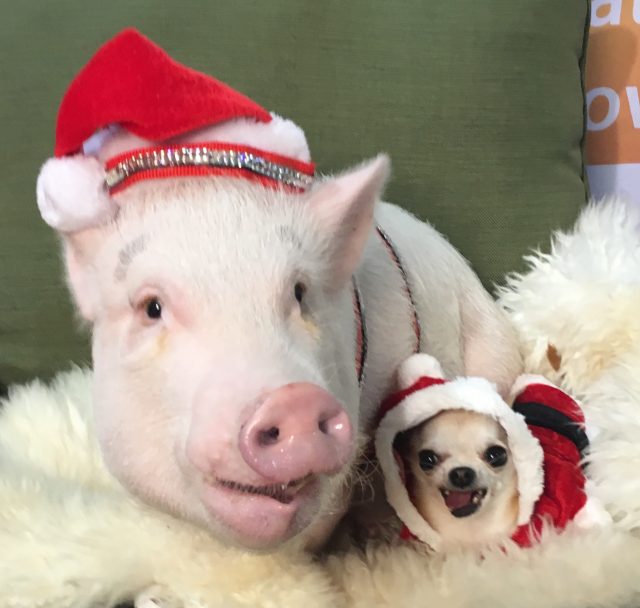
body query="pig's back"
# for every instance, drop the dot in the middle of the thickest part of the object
(437, 276)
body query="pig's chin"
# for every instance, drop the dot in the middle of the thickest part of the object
(262, 517)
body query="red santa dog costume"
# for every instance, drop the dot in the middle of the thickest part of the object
(546, 434)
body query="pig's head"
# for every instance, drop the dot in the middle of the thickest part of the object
(224, 346)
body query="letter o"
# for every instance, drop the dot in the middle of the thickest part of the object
(613, 109)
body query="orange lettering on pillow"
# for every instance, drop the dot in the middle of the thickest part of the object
(613, 79)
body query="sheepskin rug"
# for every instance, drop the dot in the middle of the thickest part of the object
(577, 311)
(70, 536)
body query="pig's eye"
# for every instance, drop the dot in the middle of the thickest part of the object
(153, 308)
(299, 290)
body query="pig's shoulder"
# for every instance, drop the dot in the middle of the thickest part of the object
(416, 239)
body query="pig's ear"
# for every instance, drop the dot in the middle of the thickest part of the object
(344, 207)
(79, 257)
(72, 199)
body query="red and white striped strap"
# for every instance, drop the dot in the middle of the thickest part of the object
(209, 158)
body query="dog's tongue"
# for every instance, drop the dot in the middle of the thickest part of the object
(456, 500)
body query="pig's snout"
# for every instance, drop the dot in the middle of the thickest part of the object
(298, 430)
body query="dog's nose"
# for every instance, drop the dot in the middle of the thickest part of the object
(462, 477)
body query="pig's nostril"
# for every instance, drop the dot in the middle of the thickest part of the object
(322, 425)
(270, 436)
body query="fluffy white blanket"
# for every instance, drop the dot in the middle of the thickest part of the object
(71, 537)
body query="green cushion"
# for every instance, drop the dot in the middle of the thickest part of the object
(479, 103)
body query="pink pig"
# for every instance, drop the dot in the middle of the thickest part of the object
(245, 333)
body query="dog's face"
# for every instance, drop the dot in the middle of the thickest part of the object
(462, 477)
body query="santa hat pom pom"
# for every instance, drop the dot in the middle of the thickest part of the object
(289, 132)
(71, 194)
(418, 366)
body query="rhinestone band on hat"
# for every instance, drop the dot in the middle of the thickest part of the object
(289, 172)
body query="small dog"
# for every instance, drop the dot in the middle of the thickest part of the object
(461, 477)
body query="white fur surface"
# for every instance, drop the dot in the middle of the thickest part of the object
(73, 538)
(592, 569)
(584, 299)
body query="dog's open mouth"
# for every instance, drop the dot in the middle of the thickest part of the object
(463, 504)
(282, 492)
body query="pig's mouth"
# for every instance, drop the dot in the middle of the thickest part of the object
(283, 493)
(262, 515)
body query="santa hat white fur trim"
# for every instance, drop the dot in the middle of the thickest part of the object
(70, 190)
(71, 195)
(472, 394)
(525, 380)
(280, 136)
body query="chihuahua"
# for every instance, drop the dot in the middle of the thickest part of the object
(461, 477)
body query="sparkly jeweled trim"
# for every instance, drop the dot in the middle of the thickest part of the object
(202, 156)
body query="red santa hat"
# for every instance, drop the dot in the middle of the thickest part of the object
(550, 484)
(134, 113)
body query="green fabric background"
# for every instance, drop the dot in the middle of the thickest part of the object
(479, 104)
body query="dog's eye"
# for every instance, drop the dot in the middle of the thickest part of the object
(428, 459)
(496, 456)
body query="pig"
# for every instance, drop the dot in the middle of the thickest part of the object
(224, 341)
(244, 331)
